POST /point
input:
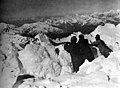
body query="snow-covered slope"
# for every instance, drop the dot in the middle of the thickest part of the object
(27, 50)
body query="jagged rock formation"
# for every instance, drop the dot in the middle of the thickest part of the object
(34, 56)
(40, 62)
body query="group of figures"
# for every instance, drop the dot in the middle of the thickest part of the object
(81, 50)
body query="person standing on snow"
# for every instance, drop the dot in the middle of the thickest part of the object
(74, 50)
(103, 48)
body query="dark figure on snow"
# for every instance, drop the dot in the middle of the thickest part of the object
(73, 48)
(85, 49)
(103, 48)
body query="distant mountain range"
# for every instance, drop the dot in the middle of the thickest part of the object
(59, 26)
(106, 17)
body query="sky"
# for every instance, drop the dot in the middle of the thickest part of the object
(34, 8)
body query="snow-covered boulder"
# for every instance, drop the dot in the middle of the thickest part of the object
(11, 68)
(109, 33)
(37, 61)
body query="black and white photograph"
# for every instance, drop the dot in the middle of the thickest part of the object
(59, 43)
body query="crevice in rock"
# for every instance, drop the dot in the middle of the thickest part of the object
(20, 80)
(15, 50)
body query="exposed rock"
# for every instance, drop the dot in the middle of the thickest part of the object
(5, 27)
